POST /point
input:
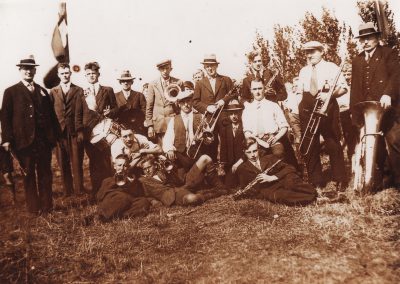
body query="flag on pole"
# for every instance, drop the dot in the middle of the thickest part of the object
(59, 45)
(381, 19)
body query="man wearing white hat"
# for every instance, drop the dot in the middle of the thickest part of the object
(375, 77)
(31, 130)
(315, 81)
(131, 104)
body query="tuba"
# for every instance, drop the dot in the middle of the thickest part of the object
(171, 92)
(363, 161)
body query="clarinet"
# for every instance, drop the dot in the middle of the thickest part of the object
(251, 185)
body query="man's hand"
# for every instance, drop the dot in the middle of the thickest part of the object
(150, 132)
(386, 101)
(270, 91)
(106, 111)
(171, 155)
(6, 146)
(272, 140)
(220, 103)
(236, 165)
(211, 108)
(79, 138)
(322, 96)
(265, 178)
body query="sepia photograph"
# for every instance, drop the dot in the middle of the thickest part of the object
(200, 141)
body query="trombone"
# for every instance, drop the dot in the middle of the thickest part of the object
(320, 110)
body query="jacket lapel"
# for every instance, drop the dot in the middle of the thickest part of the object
(161, 91)
(27, 93)
(208, 85)
(375, 61)
(120, 98)
(218, 83)
(99, 97)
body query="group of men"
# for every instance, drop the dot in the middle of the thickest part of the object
(150, 157)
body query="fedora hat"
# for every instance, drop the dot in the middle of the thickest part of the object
(184, 94)
(29, 61)
(311, 45)
(366, 29)
(210, 59)
(233, 105)
(126, 76)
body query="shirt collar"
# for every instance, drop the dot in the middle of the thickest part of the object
(371, 53)
(26, 83)
(185, 115)
(68, 85)
(316, 65)
(126, 93)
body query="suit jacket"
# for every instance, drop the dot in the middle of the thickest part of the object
(383, 80)
(158, 110)
(204, 95)
(65, 107)
(131, 112)
(86, 119)
(154, 188)
(20, 119)
(277, 85)
(108, 186)
(231, 146)
(247, 172)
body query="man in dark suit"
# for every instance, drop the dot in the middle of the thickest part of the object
(30, 128)
(276, 91)
(282, 184)
(211, 93)
(97, 103)
(131, 105)
(69, 152)
(375, 77)
(159, 110)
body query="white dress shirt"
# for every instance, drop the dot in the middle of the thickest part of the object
(169, 137)
(126, 94)
(213, 81)
(65, 87)
(326, 71)
(118, 147)
(90, 95)
(263, 117)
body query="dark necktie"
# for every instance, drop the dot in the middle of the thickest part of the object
(30, 87)
(314, 81)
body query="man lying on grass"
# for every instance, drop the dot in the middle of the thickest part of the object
(120, 196)
(281, 184)
(168, 188)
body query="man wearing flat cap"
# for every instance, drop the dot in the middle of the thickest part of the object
(375, 77)
(211, 93)
(315, 81)
(159, 110)
(131, 104)
(31, 130)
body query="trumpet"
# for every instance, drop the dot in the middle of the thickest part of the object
(171, 92)
(320, 110)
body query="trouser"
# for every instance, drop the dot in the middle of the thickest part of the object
(6, 164)
(330, 131)
(70, 155)
(99, 165)
(119, 204)
(294, 121)
(36, 161)
(349, 132)
(282, 150)
(392, 138)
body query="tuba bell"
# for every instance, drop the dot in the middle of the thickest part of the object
(364, 159)
(171, 92)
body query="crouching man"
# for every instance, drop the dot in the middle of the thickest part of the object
(169, 189)
(119, 196)
(281, 184)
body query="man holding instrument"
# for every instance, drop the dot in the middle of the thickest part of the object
(375, 77)
(280, 184)
(315, 83)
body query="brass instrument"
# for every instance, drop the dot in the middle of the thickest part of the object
(164, 164)
(171, 92)
(204, 132)
(272, 79)
(320, 110)
(363, 166)
(241, 192)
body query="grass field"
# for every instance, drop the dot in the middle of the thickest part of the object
(223, 240)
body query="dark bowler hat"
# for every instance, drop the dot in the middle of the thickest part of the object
(126, 76)
(30, 61)
(311, 45)
(233, 105)
(210, 59)
(367, 29)
(188, 84)
(164, 63)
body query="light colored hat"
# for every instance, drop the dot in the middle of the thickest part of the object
(210, 59)
(29, 61)
(125, 76)
(184, 94)
(366, 29)
(313, 45)
(164, 63)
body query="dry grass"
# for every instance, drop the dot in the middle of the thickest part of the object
(220, 241)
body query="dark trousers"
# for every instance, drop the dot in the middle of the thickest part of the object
(36, 161)
(70, 155)
(392, 138)
(349, 132)
(6, 165)
(330, 130)
(99, 165)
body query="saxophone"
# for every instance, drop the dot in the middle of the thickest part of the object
(241, 192)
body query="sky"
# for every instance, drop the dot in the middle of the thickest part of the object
(136, 35)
